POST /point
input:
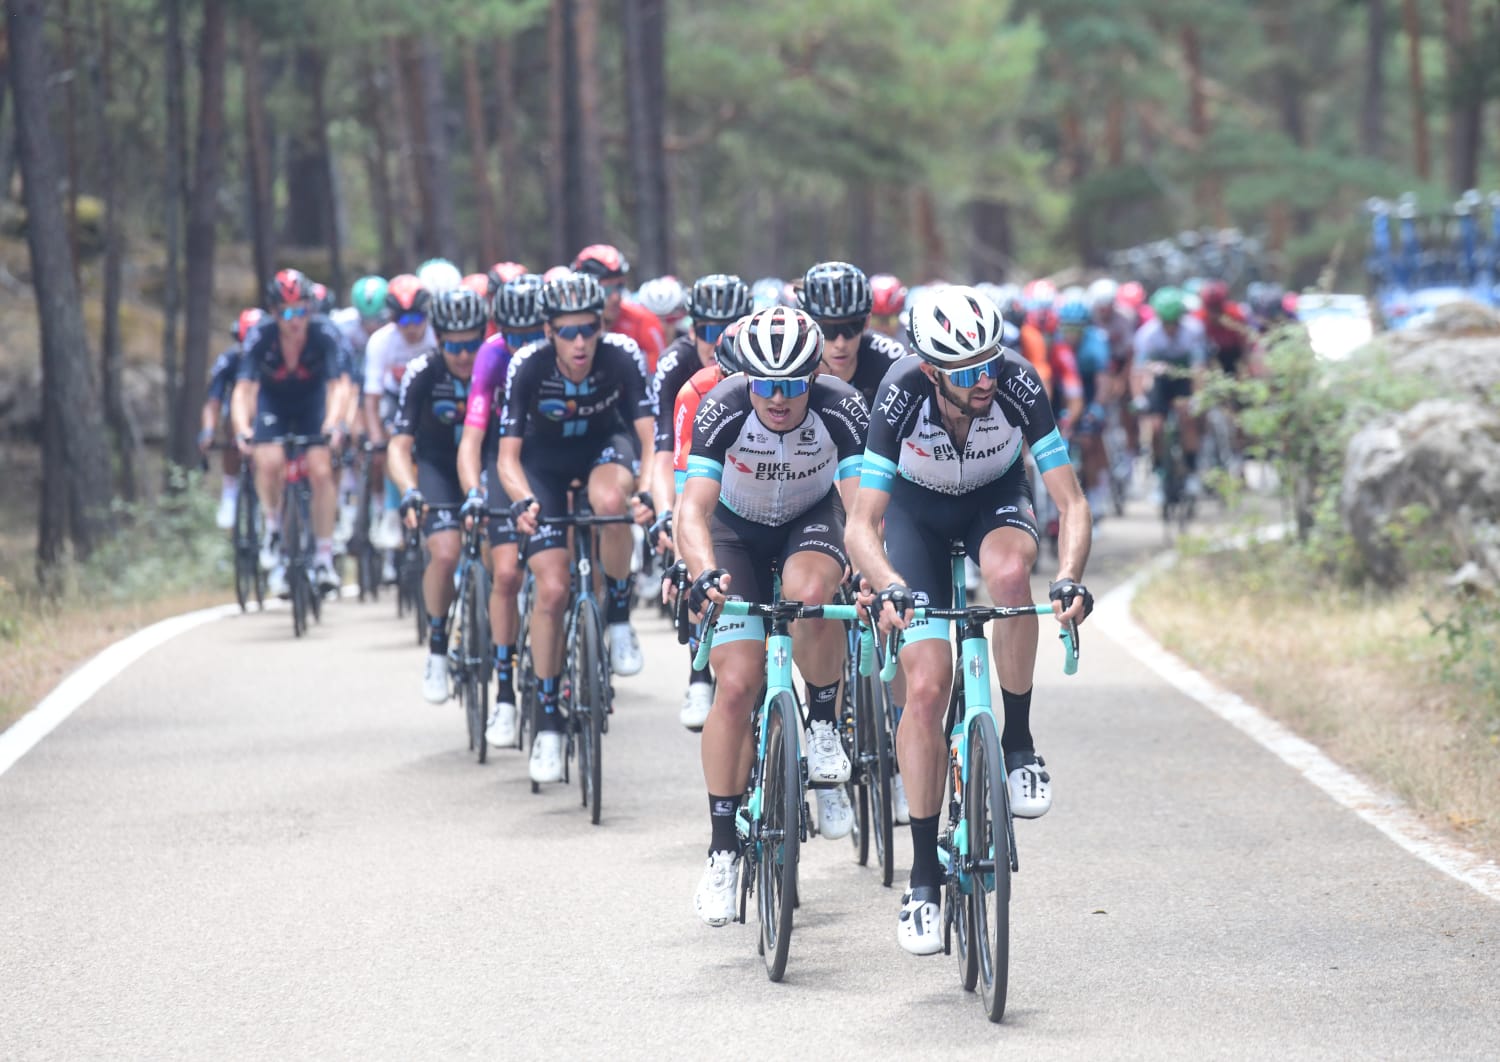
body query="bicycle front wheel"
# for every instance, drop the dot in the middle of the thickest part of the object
(296, 577)
(590, 701)
(987, 813)
(474, 644)
(880, 769)
(780, 835)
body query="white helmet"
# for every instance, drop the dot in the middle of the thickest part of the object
(781, 343)
(663, 296)
(439, 274)
(1102, 292)
(952, 324)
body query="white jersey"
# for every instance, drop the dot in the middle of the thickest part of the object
(351, 326)
(387, 355)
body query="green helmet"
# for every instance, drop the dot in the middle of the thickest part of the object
(1169, 304)
(368, 296)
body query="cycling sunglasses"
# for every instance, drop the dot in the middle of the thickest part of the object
(460, 347)
(517, 340)
(790, 388)
(969, 377)
(411, 317)
(843, 329)
(291, 313)
(619, 287)
(710, 333)
(585, 331)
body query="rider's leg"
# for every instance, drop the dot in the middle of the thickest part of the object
(505, 615)
(325, 500)
(740, 668)
(818, 646)
(610, 487)
(437, 584)
(922, 749)
(550, 569)
(270, 481)
(1006, 557)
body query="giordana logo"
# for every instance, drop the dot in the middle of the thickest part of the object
(814, 529)
(808, 435)
(1005, 510)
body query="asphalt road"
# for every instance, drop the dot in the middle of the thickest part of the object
(252, 847)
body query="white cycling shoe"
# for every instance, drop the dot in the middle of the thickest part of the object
(270, 551)
(224, 514)
(276, 584)
(835, 815)
(826, 759)
(919, 930)
(547, 757)
(696, 705)
(501, 731)
(435, 679)
(715, 900)
(388, 532)
(1030, 786)
(624, 650)
(900, 810)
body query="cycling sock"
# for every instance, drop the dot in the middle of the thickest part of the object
(505, 688)
(325, 551)
(721, 812)
(547, 695)
(230, 486)
(392, 495)
(617, 610)
(273, 523)
(926, 868)
(822, 703)
(437, 635)
(694, 675)
(1017, 734)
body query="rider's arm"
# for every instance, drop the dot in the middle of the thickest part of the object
(512, 475)
(645, 431)
(469, 446)
(862, 536)
(1075, 524)
(416, 385)
(694, 541)
(242, 405)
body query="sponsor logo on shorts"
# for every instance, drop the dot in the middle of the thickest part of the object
(811, 529)
(1004, 509)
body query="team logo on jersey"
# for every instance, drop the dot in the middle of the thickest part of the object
(739, 465)
(557, 408)
(809, 435)
(914, 448)
(1025, 391)
(448, 412)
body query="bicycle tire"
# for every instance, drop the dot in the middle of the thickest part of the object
(780, 833)
(309, 545)
(881, 788)
(474, 644)
(245, 560)
(247, 485)
(291, 538)
(987, 814)
(590, 702)
(856, 731)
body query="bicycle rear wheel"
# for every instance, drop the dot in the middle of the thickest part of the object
(473, 644)
(780, 834)
(590, 688)
(987, 815)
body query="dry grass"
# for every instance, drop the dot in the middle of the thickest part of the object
(1359, 675)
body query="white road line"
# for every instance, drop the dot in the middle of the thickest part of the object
(1386, 813)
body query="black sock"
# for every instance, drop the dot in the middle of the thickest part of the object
(1017, 734)
(617, 608)
(1190, 458)
(505, 686)
(437, 635)
(694, 675)
(547, 695)
(926, 869)
(822, 703)
(721, 811)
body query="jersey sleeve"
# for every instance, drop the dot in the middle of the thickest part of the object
(715, 427)
(843, 410)
(520, 386)
(684, 409)
(225, 372)
(375, 359)
(256, 345)
(637, 399)
(415, 387)
(665, 395)
(333, 353)
(897, 403)
(489, 374)
(1023, 400)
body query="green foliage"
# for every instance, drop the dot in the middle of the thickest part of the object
(1471, 653)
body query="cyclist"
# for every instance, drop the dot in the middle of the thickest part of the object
(288, 384)
(423, 460)
(499, 275)
(837, 296)
(665, 297)
(767, 292)
(1226, 326)
(607, 265)
(517, 317)
(1090, 346)
(365, 315)
(776, 450)
(220, 389)
(1171, 351)
(389, 350)
(438, 275)
(942, 464)
(716, 301)
(888, 301)
(567, 401)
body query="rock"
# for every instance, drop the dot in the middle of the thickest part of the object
(1442, 456)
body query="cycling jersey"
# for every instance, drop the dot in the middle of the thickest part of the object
(351, 326)
(873, 358)
(640, 324)
(487, 385)
(542, 403)
(222, 376)
(772, 477)
(1187, 349)
(684, 410)
(319, 363)
(1034, 349)
(1226, 334)
(388, 353)
(679, 362)
(909, 441)
(1064, 372)
(431, 410)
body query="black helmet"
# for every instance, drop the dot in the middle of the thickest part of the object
(719, 297)
(516, 306)
(726, 350)
(458, 310)
(833, 290)
(573, 293)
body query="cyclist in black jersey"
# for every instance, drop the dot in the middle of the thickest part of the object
(943, 463)
(289, 384)
(774, 448)
(221, 380)
(568, 403)
(838, 296)
(422, 460)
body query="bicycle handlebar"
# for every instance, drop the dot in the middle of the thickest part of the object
(789, 610)
(981, 614)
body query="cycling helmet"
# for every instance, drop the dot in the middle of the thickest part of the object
(516, 307)
(287, 286)
(663, 296)
(572, 293)
(1266, 299)
(726, 350)
(1102, 292)
(780, 344)
(1039, 295)
(1214, 295)
(1170, 304)
(1074, 313)
(247, 320)
(1011, 304)
(439, 274)
(556, 273)
(766, 292)
(406, 294)
(600, 260)
(952, 324)
(502, 273)
(322, 299)
(368, 296)
(720, 297)
(888, 295)
(1132, 295)
(458, 310)
(833, 290)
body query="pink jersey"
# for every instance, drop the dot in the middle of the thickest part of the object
(487, 385)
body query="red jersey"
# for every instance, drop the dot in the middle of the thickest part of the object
(684, 410)
(643, 326)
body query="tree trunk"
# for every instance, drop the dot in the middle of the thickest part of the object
(306, 221)
(559, 122)
(207, 167)
(589, 163)
(934, 255)
(410, 191)
(1114, 131)
(121, 424)
(327, 187)
(1207, 190)
(1413, 26)
(257, 153)
(175, 177)
(861, 200)
(1372, 109)
(7, 135)
(75, 462)
(377, 162)
(433, 149)
(510, 168)
(479, 154)
(993, 246)
(1466, 104)
(644, 23)
(69, 80)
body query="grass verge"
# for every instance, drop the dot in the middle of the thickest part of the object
(1361, 675)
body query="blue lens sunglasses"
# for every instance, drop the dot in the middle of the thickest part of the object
(460, 347)
(790, 388)
(970, 377)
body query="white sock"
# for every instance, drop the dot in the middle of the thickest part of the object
(230, 487)
(325, 551)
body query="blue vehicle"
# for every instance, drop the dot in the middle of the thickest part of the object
(1420, 261)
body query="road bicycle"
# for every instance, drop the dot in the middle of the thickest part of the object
(297, 542)
(868, 728)
(469, 658)
(367, 558)
(249, 580)
(409, 568)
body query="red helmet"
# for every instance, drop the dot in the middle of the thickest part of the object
(478, 283)
(248, 319)
(405, 294)
(555, 273)
(889, 293)
(1214, 295)
(287, 286)
(502, 273)
(1132, 295)
(602, 261)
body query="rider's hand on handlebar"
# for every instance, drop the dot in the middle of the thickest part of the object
(895, 604)
(473, 508)
(642, 509)
(526, 513)
(243, 444)
(710, 586)
(1074, 602)
(412, 504)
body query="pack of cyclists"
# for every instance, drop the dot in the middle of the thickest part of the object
(839, 434)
